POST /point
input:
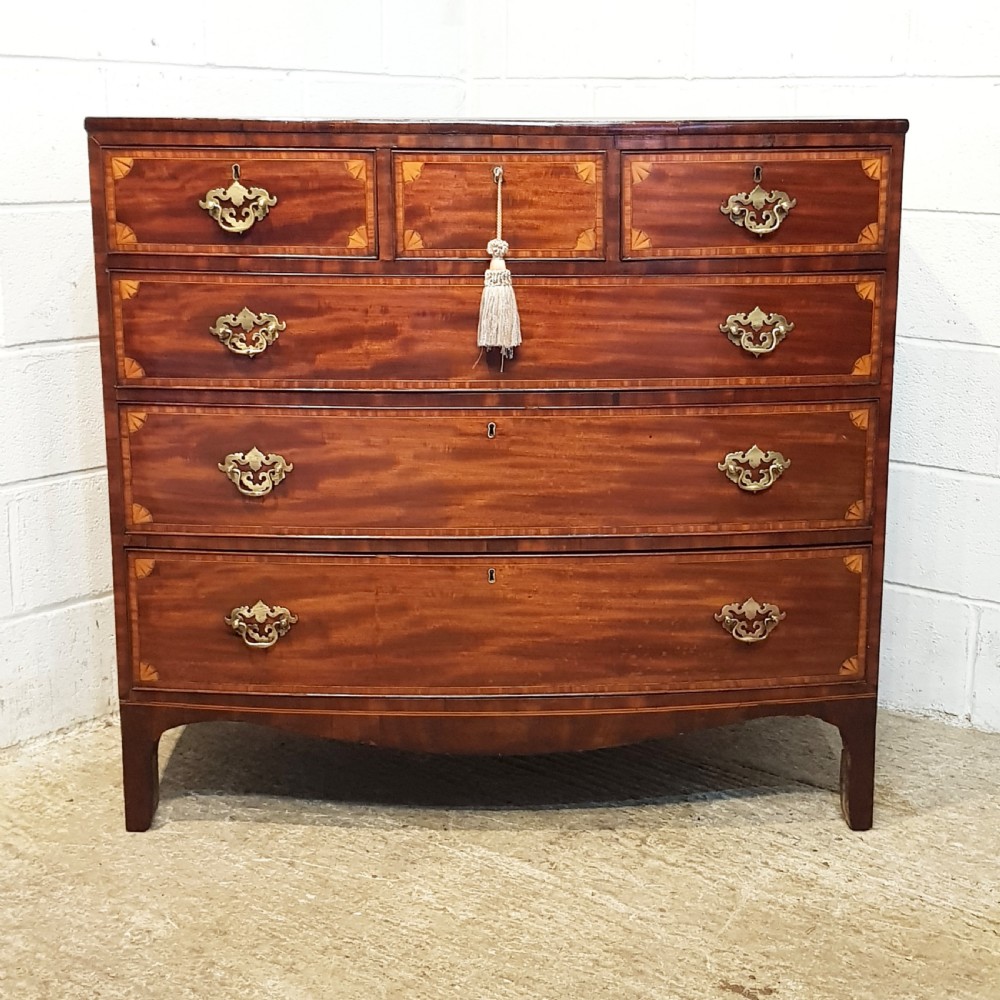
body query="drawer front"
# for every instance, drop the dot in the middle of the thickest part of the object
(189, 201)
(483, 625)
(497, 472)
(672, 203)
(446, 204)
(365, 332)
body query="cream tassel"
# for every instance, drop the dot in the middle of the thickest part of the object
(499, 323)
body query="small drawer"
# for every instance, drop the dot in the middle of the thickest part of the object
(737, 204)
(368, 332)
(482, 625)
(446, 204)
(497, 472)
(241, 201)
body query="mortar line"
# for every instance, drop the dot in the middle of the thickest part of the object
(986, 477)
(52, 477)
(945, 342)
(48, 347)
(13, 206)
(981, 602)
(951, 211)
(69, 603)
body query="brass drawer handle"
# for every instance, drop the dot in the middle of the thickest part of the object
(260, 626)
(254, 203)
(747, 330)
(253, 473)
(247, 333)
(741, 468)
(742, 208)
(750, 621)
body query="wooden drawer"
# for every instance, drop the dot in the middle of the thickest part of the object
(369, 332)
(553, 204)
(325, 201)
(672, 202)
(497, 471)
(487, 625)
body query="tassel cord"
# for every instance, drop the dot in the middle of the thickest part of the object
(498, 177)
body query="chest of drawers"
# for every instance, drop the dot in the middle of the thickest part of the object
(331, 512)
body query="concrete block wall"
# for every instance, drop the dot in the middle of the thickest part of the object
(934, 64)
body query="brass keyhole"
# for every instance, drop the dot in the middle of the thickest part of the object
(236, 171)
(491, 432)
(491, 576)
(757, 172)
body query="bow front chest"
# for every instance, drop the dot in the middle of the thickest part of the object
(332, 512)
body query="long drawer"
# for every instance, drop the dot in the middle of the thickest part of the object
(562, 471)
(362, 332)
(487, 625)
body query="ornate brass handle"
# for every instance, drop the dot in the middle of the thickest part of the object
(742, 208)
(748, 478)
(746, 330)
(254, 473)
(247, 333)
(260, 626)
(750, 621)
(254, 203)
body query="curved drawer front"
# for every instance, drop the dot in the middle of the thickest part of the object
(271, 471)
(737, 204)
(241, 201)
(553, 204)
(366, 332)
(482, 625)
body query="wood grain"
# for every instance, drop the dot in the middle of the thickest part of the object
(675, 208)
(411, 625)
(399, 332)
(325, 201)
(545, 472)
(552, 204)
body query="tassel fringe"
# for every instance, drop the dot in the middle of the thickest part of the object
(499, 322)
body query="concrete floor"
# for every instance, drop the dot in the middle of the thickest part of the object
(711, 866)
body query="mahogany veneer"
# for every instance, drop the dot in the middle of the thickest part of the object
(418, 335)
(545, 470)
(665, 512)
(845, 211)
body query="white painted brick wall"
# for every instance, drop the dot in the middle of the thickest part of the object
(45, 247)
(51, 408)
(984, 681)
(933, 63)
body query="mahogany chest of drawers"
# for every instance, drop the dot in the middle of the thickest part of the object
(331, 512)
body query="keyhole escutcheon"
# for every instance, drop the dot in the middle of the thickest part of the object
(491, 432)
(491, 575)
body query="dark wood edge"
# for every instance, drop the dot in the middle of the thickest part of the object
(881, 455)
(112, 436)
(462, 729)
(487, 545)
(523, 269)
(581, 126)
